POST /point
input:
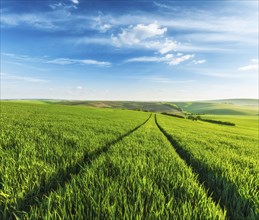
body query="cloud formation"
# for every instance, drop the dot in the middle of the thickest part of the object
(199, 61)
(6, 76)
(75, 1)
(252, 66)
(58, 61)
(150, 36)
(67, 61)
(135, 34)
(169, 59)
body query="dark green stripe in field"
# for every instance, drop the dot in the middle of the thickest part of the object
(138, 178)
(227, 164)
(41, 144)
(64, 175)
(77, 162)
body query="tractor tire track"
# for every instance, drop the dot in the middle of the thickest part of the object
(215, 184)
(61, 177)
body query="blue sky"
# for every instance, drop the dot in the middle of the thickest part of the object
(129, 50)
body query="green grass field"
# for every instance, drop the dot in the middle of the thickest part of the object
(75, 161)
(220, 108)
(217, 107)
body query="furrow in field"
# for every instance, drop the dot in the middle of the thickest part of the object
(183, 155)
(62, 176)
(140, 177)
(39, 141)
(221, 189)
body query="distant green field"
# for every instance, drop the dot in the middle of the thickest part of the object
(250, 122)
(246, 102)
(218, 108)
(214, 107)
(29, 101)
(65, 161)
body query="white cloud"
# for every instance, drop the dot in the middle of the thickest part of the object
(230, 75)
(23, 57)
(62, 6)
(75, 1)
(59, 18)
(199, 61)
(204, 26)
(250, 67)
(91, 40)
(6, 76)
(101, 23)
(168, 80)
(135, 34)
(223, 73)
(79, 87)
(62, 61)
(149, 36)
(144, 59)
(167, 46)
(67, 61)
(104, 27)
(59, 61)
(164, 6)
(178, 60)
(38, 21)
(161, 79)
(169, 59)
(95, 62)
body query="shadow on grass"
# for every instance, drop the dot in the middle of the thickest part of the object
(221, 190)
(58, 179)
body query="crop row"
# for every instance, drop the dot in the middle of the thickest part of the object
(63, 162)
(139, 177)
(226, 160)
(42, 145)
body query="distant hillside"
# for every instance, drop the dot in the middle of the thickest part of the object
(220, 108)
(247, 102)
(141, 106)
(216, 107)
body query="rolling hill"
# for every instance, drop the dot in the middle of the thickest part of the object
(211, 107)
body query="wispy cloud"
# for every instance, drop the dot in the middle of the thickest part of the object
(203, 30)
(149, 36)
(56, 19)
(23, 57)
(91, 40)
(161, 79)
(67, 61)
(58, 61)
(169, 59)
(204, 25)
(199, 61)
(79, 87)
(75, 1)
(164, 6)
(62, 6)
(101, 24)
(250, 67)
(7, 76)
(230, 74)
(167, 80)
(38, 21)
(136, 34)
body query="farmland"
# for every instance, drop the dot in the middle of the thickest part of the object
(70, 161)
